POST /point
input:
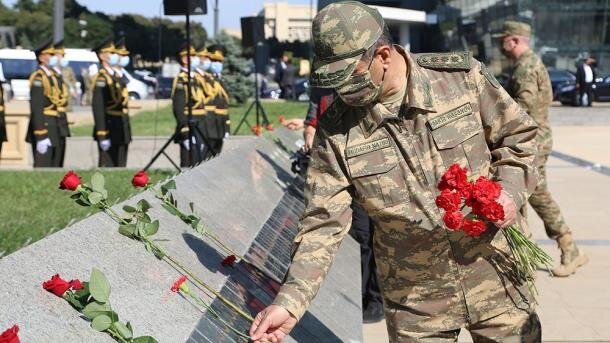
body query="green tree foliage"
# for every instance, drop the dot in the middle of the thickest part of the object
(239, 85)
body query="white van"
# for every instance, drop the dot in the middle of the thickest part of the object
(17, 65)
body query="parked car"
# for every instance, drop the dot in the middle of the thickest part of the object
(563, 83)
(164, 87)
(601, 89)
(17, 65)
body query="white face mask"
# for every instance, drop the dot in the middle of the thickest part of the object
(205, 65)
(124, 62)
(113, 59)
(63, 62)
(194, 62)
(52, 61)
(216, 67)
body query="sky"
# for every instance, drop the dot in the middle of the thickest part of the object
(229, 10)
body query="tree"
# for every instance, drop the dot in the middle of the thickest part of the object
(239, 85)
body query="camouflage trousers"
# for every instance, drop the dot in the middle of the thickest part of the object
(545, 206)
(512, 326)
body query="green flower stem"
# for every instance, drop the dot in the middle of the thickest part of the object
(215, 314)
(115, 215)
(116, 336)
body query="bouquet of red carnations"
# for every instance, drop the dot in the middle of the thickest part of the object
(482, 195)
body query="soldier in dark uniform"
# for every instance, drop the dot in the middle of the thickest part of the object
(210, 129)
(3, 137)
(121, 50)
(63, 100)
(43, 130)
(112, 130)
(220, 99)
(191, 151)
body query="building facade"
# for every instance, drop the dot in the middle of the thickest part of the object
(287, 22)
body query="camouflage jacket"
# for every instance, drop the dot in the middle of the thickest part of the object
(454, 112)
(530, 86)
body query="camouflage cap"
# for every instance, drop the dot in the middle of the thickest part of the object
(342, 32)
(515, 28)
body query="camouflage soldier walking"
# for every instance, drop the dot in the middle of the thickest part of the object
(399, 122)
(44, 127)
(530, 86)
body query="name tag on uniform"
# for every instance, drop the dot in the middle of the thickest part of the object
(367, 147)
(448, 117)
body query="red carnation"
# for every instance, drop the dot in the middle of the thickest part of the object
(453, 220)
(448, 200)
(269, 127)
(71, 181)
(178, 283)
(474, 228)
(455, 178)
(76, 285)
(491, 211)
(10, 335)
(229, 260)
(258, 129)
(56, 285)
(282, 119)
(485, 191)
(140, 179)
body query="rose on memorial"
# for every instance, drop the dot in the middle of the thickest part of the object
(71, 181)
(282, 120)
(228, 261)
(56, 285)
(10, 335)
(140, 179)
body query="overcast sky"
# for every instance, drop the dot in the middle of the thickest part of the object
(229, 10)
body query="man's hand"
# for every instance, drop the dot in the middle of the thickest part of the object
(293, 124)
(105, 144)
(308, 135)
(272, 324)
(43, 145)
(510, 210)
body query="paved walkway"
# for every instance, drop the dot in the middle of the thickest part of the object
(573, 309)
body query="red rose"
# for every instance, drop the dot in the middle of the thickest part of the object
(56, 285)
(71, 181)
(485, 191)
(10, 335)
(258, 129)
(453, 220)
(448, 200)
(140, 179)
(269, 127)
(229, 260)
(491, 211)
(178, 283)
(76, 285)
(455, 178)
(474, 228)
(282, 119)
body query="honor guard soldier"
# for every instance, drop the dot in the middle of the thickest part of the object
(121, 50)
(43, 130)
(210, 128)
(2, 121)
(216, 54)
(63, 100)
(399, 122)
(191, 151)
(112, 131)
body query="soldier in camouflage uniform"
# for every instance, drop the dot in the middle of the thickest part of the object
(530, 86)
(400, 121)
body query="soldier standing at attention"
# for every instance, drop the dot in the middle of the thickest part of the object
(123, 53)
(530, 86)
(112, 131)
(180, 103)
(63, 101)
(208, 124)
(222, 122)
(2, 120)
(43, 130)
(399, 122)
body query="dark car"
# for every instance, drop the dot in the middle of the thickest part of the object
(164, 87)
(564, 86)
(300, 89)
(601, 89)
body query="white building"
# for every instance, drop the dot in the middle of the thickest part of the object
(287, 22)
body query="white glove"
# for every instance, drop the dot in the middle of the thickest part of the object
(105, 144)
(186, 145)
(226, 134)
(43, 145)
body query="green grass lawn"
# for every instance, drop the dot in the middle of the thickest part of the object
(32, 206)
(162, 122)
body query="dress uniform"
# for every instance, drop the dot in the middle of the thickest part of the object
(220, 99)
(530, 86)
(123, 53)
(44, 131)
(180, 104)
(62, 104)
(112, 130)
(388, 154)
(3, 137)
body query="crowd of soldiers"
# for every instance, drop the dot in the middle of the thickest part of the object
(49, 100)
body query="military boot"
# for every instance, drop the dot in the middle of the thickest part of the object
(571, 257)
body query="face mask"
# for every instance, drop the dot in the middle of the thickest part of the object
(360, 90)
(53, 61)
(205, 65)
(124, 62)
(194, 62)
(113, 60)
(63, 62)
(216, 67)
